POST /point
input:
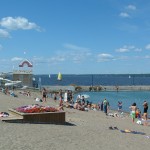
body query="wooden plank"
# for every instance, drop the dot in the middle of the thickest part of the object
(12, 118)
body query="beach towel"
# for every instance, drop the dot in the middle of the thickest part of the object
(133, 132)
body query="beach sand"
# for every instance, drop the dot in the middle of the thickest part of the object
(83, 130)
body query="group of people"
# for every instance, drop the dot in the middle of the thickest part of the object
(136, 113)
(82, 104)
(25, 93)
(79, 104)
(8, 91)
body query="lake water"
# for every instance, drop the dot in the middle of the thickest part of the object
(127, 98)
(93, 79)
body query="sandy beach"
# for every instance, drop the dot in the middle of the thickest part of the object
(83, 130)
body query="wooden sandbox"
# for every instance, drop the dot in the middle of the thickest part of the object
(43, 117)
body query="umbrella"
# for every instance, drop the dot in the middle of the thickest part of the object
(85, 96)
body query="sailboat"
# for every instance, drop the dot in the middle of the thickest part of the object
(59, 76)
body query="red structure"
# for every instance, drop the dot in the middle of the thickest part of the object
(25, 62)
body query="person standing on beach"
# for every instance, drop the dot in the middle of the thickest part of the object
(101, 106)
(60, 93)
(105, 106)
(55, 97)
(133, 110)
(145, 115)
(119, 106)
(61, 102)
(44, 94)
(83, 100)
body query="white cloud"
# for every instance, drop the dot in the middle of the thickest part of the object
(4, 33)
(123, 49)
(128, 48)
(104, 57)
(127, 12)
(131, 7)
(147, 47)
(16, 59)
(17, 23)
(124, 15)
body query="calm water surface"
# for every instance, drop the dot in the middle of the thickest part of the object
(127, 97)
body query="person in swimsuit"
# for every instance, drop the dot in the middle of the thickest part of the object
(133, 110)
(44, 95)
(145, 115)
(119, 106)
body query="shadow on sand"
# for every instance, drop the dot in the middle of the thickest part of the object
(49, 123)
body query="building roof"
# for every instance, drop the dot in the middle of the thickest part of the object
(25, 62)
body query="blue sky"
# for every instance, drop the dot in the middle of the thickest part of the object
(76, 36)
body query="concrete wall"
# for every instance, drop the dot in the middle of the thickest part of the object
(103, 88)
(57, 88)
(120, 88)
